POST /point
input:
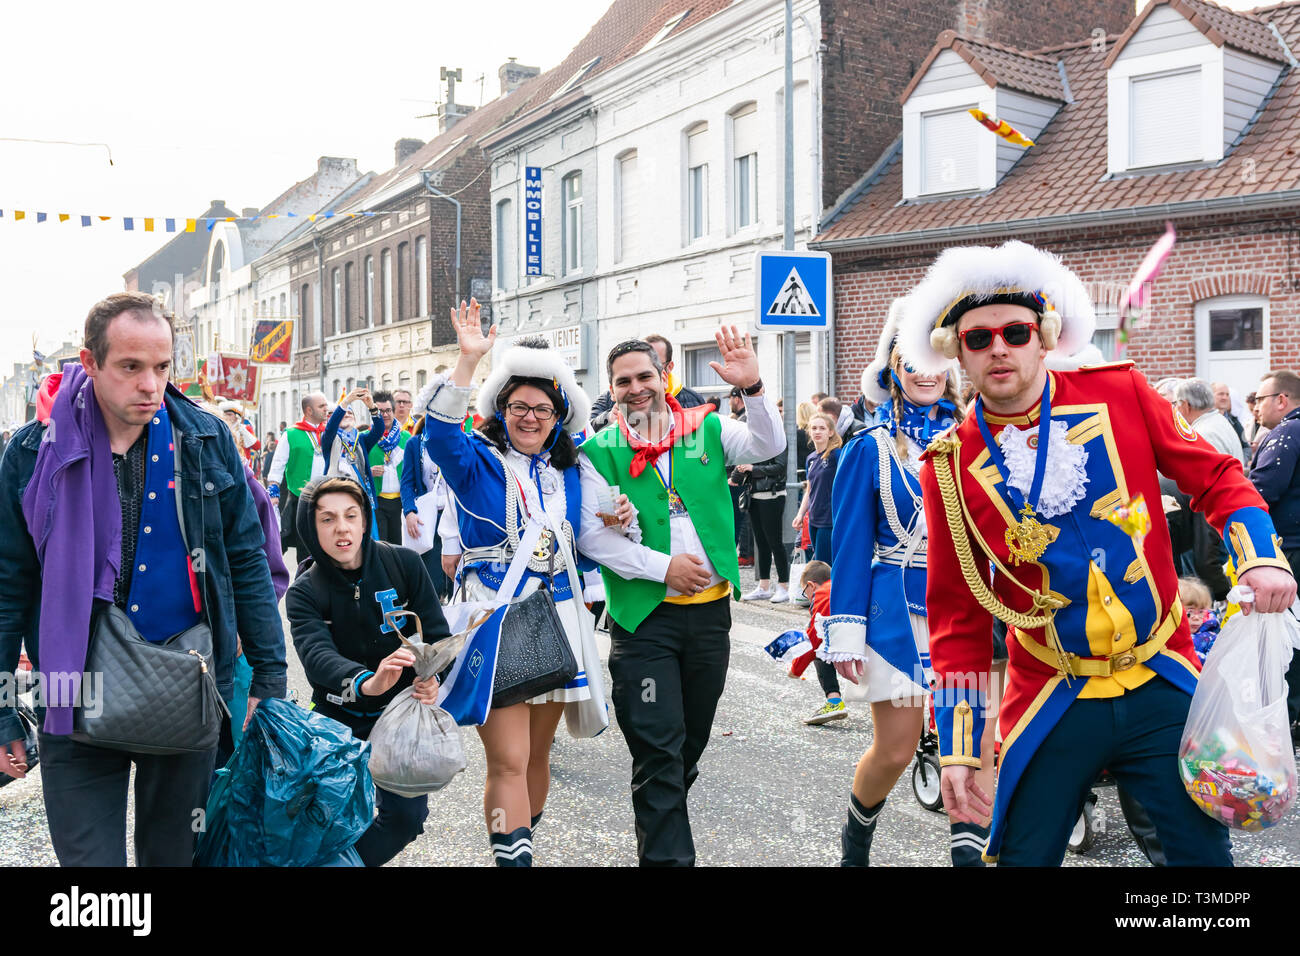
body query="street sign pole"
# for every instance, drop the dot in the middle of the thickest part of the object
(788, 347)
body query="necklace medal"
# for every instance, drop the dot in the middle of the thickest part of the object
(1028, 538)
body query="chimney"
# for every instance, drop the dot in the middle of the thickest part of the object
(513, 75)
(450, 113)
(973, 18)
(249, 212)
(403, 149)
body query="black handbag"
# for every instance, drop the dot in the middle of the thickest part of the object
(149, 698)
(534, 655)
(153, 698)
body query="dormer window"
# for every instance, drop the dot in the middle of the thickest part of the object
(667, 28)
(946, 150)
(1183, 83)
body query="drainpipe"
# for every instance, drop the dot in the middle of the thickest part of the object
(428, 185)
(319, 246)
(815, 108)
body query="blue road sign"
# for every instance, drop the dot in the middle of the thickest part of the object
(792, 291)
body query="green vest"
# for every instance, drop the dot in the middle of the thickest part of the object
(297, 470)
(377, 458)
(700, 477)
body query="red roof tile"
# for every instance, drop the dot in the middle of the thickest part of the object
(1243, 31)
(997, 65)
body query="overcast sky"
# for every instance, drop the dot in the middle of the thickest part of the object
(231, 101)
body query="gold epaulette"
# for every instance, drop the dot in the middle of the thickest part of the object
(1125, 363)
(945, 443)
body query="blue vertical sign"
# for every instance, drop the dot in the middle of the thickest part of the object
(532, 220)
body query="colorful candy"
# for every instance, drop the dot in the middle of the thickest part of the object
(1227, 780)
(1002, 128)
(1133, 519)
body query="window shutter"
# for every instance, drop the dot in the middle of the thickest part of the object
(629, 207)
(744, 131)
(1164, 119)
(949, 151)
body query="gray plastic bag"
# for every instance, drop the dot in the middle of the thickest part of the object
(416, 748)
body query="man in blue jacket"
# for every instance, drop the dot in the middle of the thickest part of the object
(1276, 474)
(118, 433)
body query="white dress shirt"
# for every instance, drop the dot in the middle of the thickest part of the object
(760, 437)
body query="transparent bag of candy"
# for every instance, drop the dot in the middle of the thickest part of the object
(1236, 758)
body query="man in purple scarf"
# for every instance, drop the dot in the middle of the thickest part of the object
(89, 514)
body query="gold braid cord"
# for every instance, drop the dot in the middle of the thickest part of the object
(943, 452)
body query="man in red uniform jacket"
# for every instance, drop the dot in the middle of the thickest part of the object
(1101, 666)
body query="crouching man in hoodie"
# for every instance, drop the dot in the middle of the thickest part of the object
(353, 658)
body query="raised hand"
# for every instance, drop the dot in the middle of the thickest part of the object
(469, 330)
(739, 361)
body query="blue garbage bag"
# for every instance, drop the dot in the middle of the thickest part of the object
(297, 792)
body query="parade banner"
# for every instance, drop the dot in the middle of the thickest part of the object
(237, 379)
(272, 341)
(184, 367)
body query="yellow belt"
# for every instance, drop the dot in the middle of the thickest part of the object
(1106, 666)
(719, 590)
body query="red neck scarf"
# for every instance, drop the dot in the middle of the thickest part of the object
(684, 422)
(308, 427)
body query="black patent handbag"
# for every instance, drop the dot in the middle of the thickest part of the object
(27, 719)
(534, 655)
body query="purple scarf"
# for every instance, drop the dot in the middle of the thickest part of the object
(71, 499)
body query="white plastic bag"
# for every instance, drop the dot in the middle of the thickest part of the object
(1236, 758)
(416, 748)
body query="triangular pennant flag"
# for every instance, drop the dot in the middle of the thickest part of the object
(311, 218)
(211, 223)
(105, 218)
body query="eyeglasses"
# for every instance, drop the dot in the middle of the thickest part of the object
(543, 413)
(402, 401)
(1016, 335)
(1260, 398)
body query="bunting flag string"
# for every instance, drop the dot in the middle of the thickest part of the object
(177, 223)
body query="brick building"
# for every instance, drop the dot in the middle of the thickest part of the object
(1190, 115)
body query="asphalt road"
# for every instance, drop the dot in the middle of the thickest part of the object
(771, 790)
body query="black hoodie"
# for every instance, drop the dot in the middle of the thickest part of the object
(336, 617)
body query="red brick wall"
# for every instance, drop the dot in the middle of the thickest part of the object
(872, 51)
(1214, 256)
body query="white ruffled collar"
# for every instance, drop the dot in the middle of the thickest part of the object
(1067, 475)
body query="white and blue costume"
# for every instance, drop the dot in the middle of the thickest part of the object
(496, 494)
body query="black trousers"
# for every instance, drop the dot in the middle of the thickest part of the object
(389, 516)
(767, 515)
(668, 675)
(1293, 672)
(827, 677)
(85, 790)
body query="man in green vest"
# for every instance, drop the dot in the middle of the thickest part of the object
(669, 580)
(297, 460)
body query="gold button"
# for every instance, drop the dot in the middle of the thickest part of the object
(1106, 599)
(1125, 661)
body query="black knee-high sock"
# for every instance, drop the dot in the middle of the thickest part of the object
(855, 837)
(536, 819)
(514, 848)
(968, 843)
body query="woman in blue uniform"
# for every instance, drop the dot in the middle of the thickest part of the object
(518, 473)
(879, 546)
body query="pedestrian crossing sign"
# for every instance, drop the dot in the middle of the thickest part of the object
(792, 291)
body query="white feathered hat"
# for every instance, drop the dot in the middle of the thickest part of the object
(875, 377)
(965, 277)
(533, 358)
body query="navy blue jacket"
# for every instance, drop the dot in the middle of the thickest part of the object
(1277, 478)
(218, 510)
(413, 473)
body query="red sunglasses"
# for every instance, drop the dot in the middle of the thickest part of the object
(1015, 334)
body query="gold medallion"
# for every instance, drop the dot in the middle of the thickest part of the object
(1029, 539)
(543, 550)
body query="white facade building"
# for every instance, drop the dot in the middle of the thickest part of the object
(659, 185)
